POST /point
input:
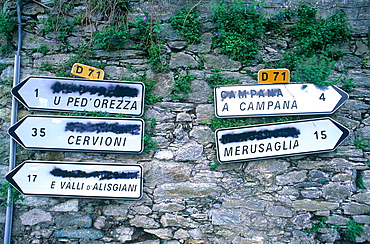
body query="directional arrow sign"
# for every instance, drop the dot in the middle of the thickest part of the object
(279, 140)
(63, 94)
(79, 134)
(70, 179)
(277, 100)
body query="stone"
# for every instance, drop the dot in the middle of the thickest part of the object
(279, 211)
(191, 151)
(310, 205)
(337, 191)
(144, 222)
(163, 233)
(182, 60)
(79, 233)
(141, 210)
(164, 155)
(204, 113)
(185, 190)
(68, 206)
(225, 217)
(100, 222)
(176, 220)
(123, 234)
(200, 92)
(64, 221)
(183, 117)
(221, 62)
(181, 234)
(116, 210)
(160, 114)
(168, 207)
(202, 134)
(291, 177)
(163, 83)
(35, 216)
(354, 208)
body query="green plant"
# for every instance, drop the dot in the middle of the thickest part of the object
(146, 38)
(353, 230)
(320, 223)
(187, 22)
(239, 26)
(315, 69)
(182, 86)
(360, 180)
(111, 38)
(43, 49)
(16, 195)
(216, 79)
(149, 144)
(7, 29)
(214, 165)
(359, 144)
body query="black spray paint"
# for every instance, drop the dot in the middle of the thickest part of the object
(110, 91)
(102, 175)
(103, 127)
(260, 135)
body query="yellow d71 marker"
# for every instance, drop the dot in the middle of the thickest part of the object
(88, 72)
(273, 76)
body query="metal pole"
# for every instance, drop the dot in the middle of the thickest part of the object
(13, 120)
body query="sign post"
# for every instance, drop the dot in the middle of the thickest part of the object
(279, 140)
(65, 94)
(70, 179)
(61, 133)
(277, 100)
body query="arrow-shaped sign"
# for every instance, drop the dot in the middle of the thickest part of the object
(277, 100)
(279, 140)
(70, 179)
(64, 94)
(79, 134)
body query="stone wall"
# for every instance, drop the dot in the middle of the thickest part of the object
(185, 200)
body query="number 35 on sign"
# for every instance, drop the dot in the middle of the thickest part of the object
(88, 72)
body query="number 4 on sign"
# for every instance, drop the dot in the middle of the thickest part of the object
(88, 72)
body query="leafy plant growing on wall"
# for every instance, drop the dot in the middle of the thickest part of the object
(239, 27)
(187, 22)
(7, 28)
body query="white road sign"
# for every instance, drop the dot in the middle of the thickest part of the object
(70, 179)
(66, 94)
(79, 134)
(277, 100)
(279, 140)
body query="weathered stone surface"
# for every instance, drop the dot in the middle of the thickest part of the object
(189, 152)
(291, 177)
(356, 208)
(144, 222)
(64, 221)
(182, 60)
(205, 112)
(164, 82)
(200, 92)
(220, 62)
(185, 190)
(79, 233)
(123, 234)
(168, 207)
(116, 210)
(279, 211)
(100, 222)
(337, 191)
(35, 216)
(225, 217)
(163, 233)
(202, 134)
(68, 206)
(175, 220)
(310, 205)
